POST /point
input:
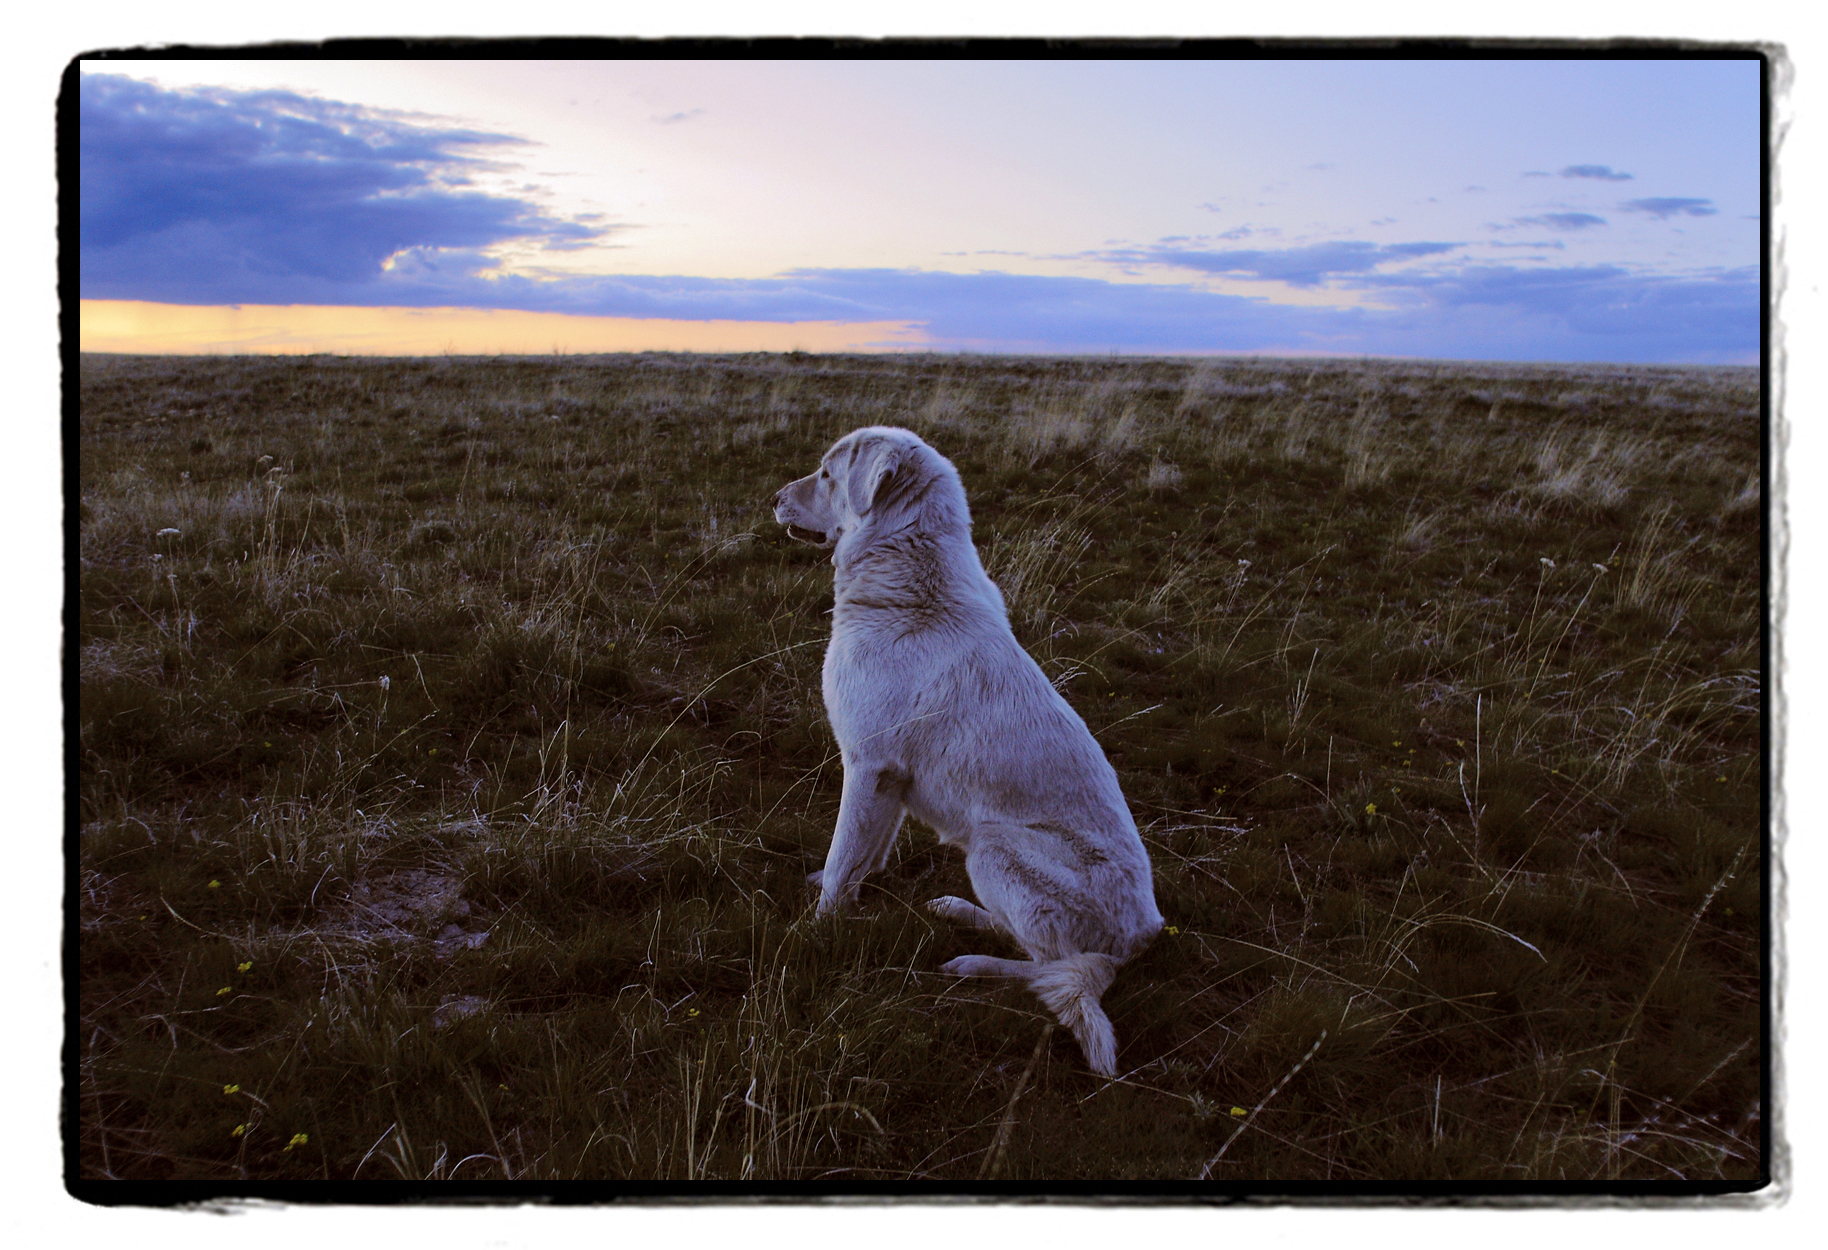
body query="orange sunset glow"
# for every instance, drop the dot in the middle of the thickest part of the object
(138, 326)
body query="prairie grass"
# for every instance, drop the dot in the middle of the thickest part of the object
(452, 758)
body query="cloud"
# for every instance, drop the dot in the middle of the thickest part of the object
(1604, 172)
(1666, 207)
(1611, 313)
(674, 118)
(1297, 266)
(273, 193)
(1483, 312)
(1562, 221)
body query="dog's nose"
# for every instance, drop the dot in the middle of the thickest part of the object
(776, 501)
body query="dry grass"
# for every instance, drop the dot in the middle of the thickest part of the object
(449, 777)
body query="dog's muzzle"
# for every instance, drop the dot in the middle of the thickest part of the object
(800, 533)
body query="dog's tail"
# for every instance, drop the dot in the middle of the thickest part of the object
(1071, 988)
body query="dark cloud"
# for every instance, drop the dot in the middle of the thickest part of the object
(1603, 172)
(250, 195)
(1562, 221)
(1297, 266)
(1486, 312)
(1492, 312)
(1665, 207)
(1593, 312)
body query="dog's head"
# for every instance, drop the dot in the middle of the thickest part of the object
(868, 475)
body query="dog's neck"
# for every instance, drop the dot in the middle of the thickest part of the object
(917, 567)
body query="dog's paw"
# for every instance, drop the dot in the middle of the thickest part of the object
(959, 911)
(973, 966)
(953, 908)
(816, 879)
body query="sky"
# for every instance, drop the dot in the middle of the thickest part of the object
(1551, 210)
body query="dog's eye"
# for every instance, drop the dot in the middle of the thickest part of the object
(823, 474)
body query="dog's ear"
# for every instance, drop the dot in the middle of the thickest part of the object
(872, 475)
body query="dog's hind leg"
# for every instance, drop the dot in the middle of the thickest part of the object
(1053, 916)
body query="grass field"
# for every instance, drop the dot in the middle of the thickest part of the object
(452, 758)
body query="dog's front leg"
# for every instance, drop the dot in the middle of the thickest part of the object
(869, 815)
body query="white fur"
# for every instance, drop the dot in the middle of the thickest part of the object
(939, 711)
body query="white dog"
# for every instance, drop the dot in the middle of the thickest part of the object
(938, 711)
